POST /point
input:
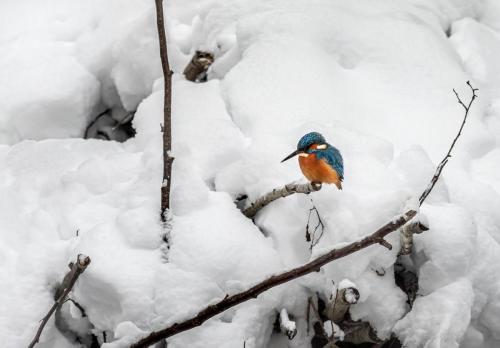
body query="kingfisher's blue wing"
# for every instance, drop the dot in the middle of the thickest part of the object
(333, 157)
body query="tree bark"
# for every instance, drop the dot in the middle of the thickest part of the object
(167, 112)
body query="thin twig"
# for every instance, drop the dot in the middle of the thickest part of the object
(285, 191)
(314, 241)
(441, 165)
(274, 281)
(167, 111)
(77, 305)
(406, 233)
(69, 281)
(309, 299)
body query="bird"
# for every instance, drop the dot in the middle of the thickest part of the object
(319, 161)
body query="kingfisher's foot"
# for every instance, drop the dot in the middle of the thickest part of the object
(316, 185)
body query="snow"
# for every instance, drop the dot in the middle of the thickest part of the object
(333, 329)
(287, 326)
(444, 328)
(346, 283)
(375, 79)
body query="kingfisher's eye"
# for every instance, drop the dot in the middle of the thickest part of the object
(321, 147)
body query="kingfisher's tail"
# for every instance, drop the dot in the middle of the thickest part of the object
(339, 184)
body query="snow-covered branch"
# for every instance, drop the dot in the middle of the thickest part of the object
(76, 268)
(275, 280)
(284, 191)
(167, 111)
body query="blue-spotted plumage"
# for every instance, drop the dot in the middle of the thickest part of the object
(333, 157)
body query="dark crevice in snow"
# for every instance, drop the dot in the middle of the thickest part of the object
(111, 124)
(448, 30)
(72, 321)
(406, 279)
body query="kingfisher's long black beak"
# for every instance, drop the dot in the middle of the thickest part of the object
(295, 153)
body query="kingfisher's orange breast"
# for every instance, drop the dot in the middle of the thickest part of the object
(317, 170)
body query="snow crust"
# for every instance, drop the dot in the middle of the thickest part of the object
(375, 79)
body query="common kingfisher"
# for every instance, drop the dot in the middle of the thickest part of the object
(319, 161)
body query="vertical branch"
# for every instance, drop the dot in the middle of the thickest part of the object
(167, 111)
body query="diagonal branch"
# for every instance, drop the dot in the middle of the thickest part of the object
(273, 281)
(282, 192)
(167, 111)
(62, 292)
(406, 233)
(441, 165)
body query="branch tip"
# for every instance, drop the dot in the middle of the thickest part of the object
(385, 243)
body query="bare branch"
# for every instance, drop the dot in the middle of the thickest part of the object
(69, 281)
(408, 231)
(441, 165)
(167, 111)
(274, 281)
(285, 191)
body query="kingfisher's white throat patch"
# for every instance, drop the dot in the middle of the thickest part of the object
(303, 154)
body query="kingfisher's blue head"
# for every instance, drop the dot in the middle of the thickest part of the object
(310, 138)
(305, 142)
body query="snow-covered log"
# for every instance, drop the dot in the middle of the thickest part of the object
(347, 295)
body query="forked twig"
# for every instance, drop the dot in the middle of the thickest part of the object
(441, 165)
(406, 234)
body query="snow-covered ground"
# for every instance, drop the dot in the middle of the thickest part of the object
(375, 78)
